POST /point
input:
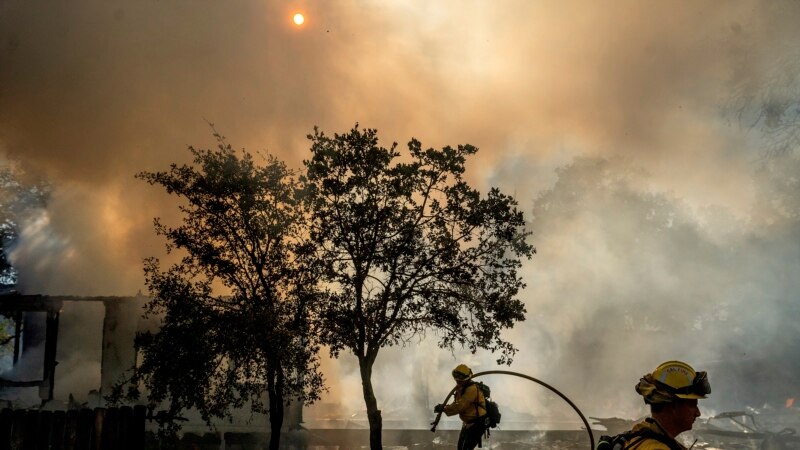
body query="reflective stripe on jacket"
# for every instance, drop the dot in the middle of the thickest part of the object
(469, 404)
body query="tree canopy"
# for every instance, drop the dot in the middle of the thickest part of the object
(408, 247)
(234, 309)
(369, 249)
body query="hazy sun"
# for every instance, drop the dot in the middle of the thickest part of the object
(299, 19)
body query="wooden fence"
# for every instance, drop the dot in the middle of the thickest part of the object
(86, 429)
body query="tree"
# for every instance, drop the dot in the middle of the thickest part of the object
(234, 309)
(410, 247)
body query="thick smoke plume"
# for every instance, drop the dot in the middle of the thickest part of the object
(652, 145)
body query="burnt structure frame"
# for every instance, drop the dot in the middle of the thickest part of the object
(14, 305)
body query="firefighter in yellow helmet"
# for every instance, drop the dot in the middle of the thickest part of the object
(672, 391)
(470, 405)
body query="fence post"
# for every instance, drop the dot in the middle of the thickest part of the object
(125, 427)
(44, 426)
(57, 434)
(31, 429)
(137, 437)
(6, 422)
(111, 429)
(71, 430)
(18, 429)
(97, 437)
(85, 431)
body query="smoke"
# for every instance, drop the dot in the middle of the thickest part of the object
(97, 91)
(632, 135)
(78, 372)
(627, 279)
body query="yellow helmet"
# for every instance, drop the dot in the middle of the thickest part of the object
(672, 380)
(462, 372)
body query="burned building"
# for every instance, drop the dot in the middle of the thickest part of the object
(36, 343)
(66, 353)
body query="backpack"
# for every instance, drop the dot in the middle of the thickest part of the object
(492, 410)
(612, 442)
(619, 441)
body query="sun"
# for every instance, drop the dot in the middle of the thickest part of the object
(298, 19)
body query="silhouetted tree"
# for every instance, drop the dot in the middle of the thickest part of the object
(410, 247)
(234, 309)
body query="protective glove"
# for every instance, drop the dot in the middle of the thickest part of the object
(438, 408)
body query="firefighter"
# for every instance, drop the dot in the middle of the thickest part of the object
(672, 391)
(470, 405)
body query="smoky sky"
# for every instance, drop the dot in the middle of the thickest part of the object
(631, 133)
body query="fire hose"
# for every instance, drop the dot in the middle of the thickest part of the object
(521, 375)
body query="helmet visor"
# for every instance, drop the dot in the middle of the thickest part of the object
(699, 388)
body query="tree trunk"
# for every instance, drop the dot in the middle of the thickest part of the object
(373, 413)
(275, 393)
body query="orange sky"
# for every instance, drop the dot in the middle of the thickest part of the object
(93, 92)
